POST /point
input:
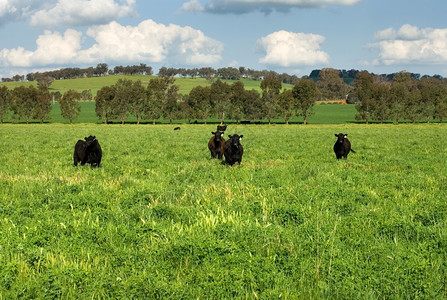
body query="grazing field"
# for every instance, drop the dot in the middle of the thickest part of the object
(324, 114)
(161, 220)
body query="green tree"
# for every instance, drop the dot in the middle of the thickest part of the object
(186, 108)
(123, 99)
(252, 105)
(271, 87)
(220, 99)
(70, 107)
(200, 101)
(23, 102)
(441, 102)
(138, 100)
(171, 103)
(42, 107)
(406, 97)
(104, 103)
(287, 104)
(5, 100)
(237, 99)
(431, 93)
(380, 105)
(363, 90)
(86, 95)
(305, 92)
(330, 85)
(156, 93)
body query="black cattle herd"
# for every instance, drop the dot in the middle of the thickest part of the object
(88, 151)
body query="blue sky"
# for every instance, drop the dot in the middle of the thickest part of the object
(291, 36)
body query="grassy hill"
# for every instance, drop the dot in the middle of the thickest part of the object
(96, 83)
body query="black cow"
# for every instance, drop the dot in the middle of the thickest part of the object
(342, 146)
(233, 149)
(177, 128)
(216, 145)
(88, 151)
(222, 128)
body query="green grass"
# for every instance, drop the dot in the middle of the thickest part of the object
(161, 220)
(324, 114)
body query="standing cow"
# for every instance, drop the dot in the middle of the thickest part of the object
(342, 146)
(216, 145)
(233, 149)
(88, 151)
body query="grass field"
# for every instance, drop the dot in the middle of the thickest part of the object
(161, 220)
(324, 114)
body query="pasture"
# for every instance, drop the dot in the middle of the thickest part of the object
(159, 219)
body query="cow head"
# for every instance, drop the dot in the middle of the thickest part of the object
(341, 137)
(235, 140)
(89, 140)
(217, 135)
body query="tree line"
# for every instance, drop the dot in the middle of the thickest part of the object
(161, 99)
(377, 99)
(405, 98)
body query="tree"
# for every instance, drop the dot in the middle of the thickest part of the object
(70, 107)
(200, 101)
(380, 106)
(220, 99)
(431, 92)
(441, 102)
(170, 103)
(403, 96)
(363, 89)
(104, 103)
(252, 105)
(123, 100)
(86, 95)
(271, 87)
(5, 100)
(138, 100)
(43, 106)
(101, 69)
(23, 102)
(287, 104)
(237, 100)
(156, 92)
(305, 92)
(331, 85)
(44, 82)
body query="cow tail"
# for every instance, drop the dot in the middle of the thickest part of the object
(353, 151)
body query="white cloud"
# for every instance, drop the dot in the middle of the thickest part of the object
(266, 6)
(287, 49)
(192, 5)
(53, 13)
(146, 42)
(52, 48)
(411, 45)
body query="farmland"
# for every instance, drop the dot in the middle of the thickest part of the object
(160, 219)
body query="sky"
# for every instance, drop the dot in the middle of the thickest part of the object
(286, 36)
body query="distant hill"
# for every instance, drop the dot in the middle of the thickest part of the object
(96, 83)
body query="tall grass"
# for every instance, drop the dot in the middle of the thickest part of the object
(160, 219)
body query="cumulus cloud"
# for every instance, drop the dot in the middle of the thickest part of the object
(411, 45)
(193, 5)
(289, 49)
(146, 42)
(266, 6)
(53, 13)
